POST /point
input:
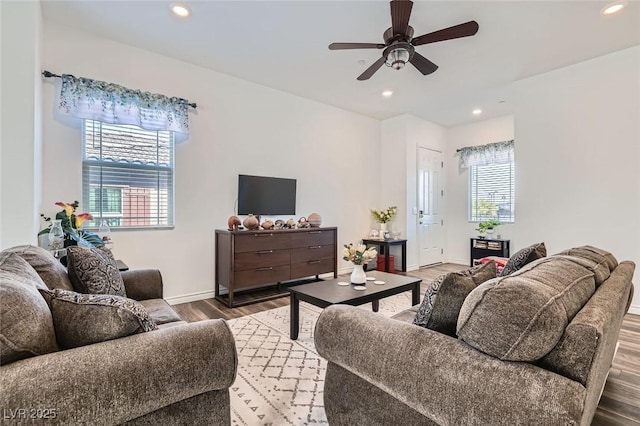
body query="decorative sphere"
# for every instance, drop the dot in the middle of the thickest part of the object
(315, 220)
(251, 222)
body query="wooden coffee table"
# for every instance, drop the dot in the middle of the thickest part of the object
(327, 293)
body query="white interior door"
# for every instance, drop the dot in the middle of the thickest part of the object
(430, 201)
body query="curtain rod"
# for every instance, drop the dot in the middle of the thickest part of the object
(49, 74)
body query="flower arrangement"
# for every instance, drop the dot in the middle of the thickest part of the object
(358, 255)
(384, 216)
(72, 225)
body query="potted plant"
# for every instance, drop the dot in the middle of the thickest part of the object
(384, 216)
(71, 226)
(487, 226)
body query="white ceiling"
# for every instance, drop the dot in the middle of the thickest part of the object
(283, 45)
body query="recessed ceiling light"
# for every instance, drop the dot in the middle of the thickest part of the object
(181, 10)
(387, 93)
(476, 111)
(362, 61)
(612, 8)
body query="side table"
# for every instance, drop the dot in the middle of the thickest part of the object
(385, 245)
(121, 265)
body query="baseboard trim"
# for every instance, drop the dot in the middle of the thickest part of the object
(634, 309)
(458, 261)
(193, 297)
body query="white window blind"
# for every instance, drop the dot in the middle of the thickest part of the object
(491, 192)
(127, 175)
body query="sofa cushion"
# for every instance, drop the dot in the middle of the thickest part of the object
(594, 254)
(599, 267)
(611, 260)
(84, 319)
(521, 317)
(445, 295)
(160, 311)
(52, 272)
(523, 257)
(408, 315)
(94, 271)
(26, 326)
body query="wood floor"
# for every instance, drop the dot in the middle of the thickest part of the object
(620, 401)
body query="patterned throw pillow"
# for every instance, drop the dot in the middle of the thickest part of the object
(84, 319)
(94, 271)
(445, 296)
(524, 256)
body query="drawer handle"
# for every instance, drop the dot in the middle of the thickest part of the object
(315, 247)
(263, 235)
(268, 268)
(264, 251)
(311, 262)
(315, 232)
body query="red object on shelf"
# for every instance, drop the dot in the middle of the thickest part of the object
(392, 264)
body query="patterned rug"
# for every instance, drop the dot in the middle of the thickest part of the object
(280, 381)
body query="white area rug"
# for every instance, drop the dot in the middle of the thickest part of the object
(280, 381)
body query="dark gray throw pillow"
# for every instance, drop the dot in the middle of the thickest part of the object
(522, 257)
(26, 326)
(84, 319)
(94, 271)
(444, 297)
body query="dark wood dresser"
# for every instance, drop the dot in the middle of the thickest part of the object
(257, 259)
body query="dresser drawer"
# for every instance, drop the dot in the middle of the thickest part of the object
(261, 258)
(313, 237)
(311, 267)
(256, 241)
(304, 254)
(265, 275)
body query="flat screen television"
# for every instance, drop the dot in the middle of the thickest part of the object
(261, 195)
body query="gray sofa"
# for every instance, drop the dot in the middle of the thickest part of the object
(384, 371)
(178, 374)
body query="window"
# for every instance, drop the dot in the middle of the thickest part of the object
(491, 192)
(127, 175)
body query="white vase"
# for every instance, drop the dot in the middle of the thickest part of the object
(383, 228)
(358, 276)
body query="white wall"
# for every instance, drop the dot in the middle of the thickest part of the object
(578, 157)
(401, 137)
(20, 122)
(239, 127)
(457, 226)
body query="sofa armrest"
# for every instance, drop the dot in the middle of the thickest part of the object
(441, 377)
(143, 284)
(119, 380)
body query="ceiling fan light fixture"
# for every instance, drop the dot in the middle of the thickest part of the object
(613, 8)
(397, 58)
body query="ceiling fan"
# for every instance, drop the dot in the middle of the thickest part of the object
(399, 43)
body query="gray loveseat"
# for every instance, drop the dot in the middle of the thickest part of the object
(178, 374)
(384, 371)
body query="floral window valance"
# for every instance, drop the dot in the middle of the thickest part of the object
(114, 104)
(493, 153)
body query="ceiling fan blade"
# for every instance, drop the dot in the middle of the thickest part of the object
(371, 70)
(342, 46)
(457, 31)
(400, 13)
(424, 65)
